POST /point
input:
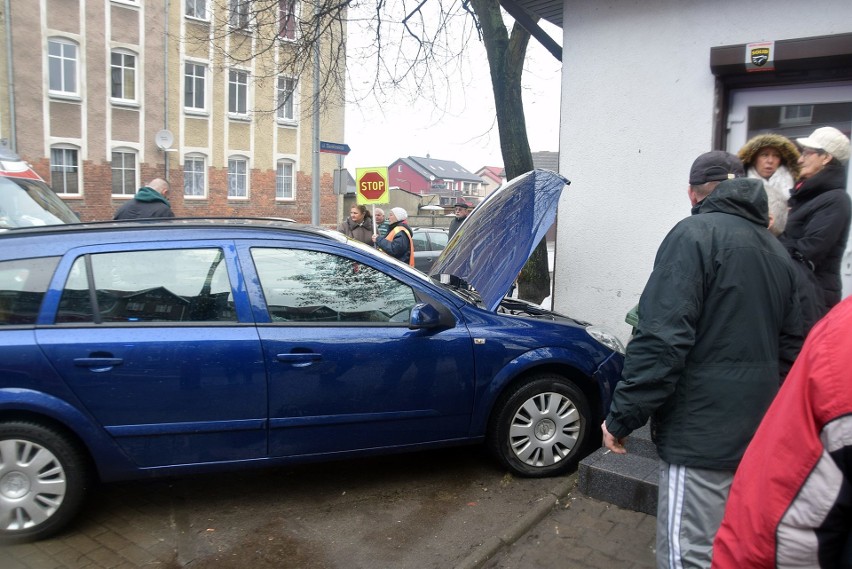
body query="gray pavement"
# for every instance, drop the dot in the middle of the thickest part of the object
(467, 517)
(570, 530)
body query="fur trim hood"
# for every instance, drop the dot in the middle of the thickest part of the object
(788, 150)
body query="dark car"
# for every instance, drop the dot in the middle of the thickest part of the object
(25, 199)
(173, 347)
(428, 244)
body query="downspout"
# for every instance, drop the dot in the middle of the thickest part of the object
(11, 75)
(165, 85)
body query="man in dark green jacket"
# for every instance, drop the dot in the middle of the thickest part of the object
(150, 201)
(719, 326)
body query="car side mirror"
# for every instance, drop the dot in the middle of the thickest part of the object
(424, 316)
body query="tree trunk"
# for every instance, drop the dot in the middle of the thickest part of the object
(506, 62)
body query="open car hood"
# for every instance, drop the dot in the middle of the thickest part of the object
(499, 235)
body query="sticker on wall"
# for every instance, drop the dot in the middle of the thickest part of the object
(760, 56)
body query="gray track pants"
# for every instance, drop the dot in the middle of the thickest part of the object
(691, 503)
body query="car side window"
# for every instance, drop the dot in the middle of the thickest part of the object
(439, 240)
(311, 286)
(175, 285)
(421, 242)
(23, 283)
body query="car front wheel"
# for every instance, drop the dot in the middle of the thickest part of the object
(43, 481)
(541, 428)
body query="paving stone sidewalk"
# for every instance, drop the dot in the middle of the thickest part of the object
(579, 533)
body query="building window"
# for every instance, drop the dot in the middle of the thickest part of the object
(62, 66)
(123, 76)
(285, 99)
(195, 82)
(123, 172)
(64, 170)
(237, 177)
(194, 176)
(239, 13)
(287, 12)
(237, 92)
(796, 115)
(284, 185)
(196, 9)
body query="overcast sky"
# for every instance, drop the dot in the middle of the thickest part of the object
(465, 130)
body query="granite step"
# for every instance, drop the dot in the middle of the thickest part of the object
(626, 480)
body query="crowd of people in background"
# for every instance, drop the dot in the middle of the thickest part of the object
(392, 235)
(735, 290)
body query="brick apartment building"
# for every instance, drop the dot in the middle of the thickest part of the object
(101, 96)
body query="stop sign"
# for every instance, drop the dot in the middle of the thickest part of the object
(372, 186)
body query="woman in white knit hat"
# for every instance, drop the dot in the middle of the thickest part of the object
(820, 209)
(397, 243)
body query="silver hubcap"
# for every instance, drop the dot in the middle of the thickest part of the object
(544, 429)
(32, 484)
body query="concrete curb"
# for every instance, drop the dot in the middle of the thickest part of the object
(491, 546)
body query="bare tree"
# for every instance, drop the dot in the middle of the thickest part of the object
(278, 38)
(413, 46)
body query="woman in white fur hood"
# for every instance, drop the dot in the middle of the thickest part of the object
(775, 160)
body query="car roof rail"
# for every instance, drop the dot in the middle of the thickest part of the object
(173, 222)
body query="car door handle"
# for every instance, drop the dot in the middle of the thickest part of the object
(98, 364)
(299, 360)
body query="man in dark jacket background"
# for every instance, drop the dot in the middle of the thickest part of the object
(820, 210)
(149, 201)
(719, 325)
(461, 210)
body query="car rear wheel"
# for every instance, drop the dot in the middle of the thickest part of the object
(541, 427)
(43, 480)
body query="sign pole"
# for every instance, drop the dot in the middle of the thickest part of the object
(315, 165)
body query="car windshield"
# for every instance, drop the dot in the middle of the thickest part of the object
(25, 203)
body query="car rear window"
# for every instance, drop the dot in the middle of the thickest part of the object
(23, 283)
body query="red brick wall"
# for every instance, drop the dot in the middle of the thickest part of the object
(97, 203)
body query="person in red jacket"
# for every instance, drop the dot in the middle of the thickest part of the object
(790, 504)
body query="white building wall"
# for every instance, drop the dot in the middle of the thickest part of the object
(637, 108)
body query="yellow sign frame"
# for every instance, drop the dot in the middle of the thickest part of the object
(359, 175)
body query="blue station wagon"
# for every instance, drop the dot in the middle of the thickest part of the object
(131, 349)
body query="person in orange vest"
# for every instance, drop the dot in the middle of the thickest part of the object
(397, 243)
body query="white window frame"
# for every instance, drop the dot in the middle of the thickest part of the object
(66, 173)
(134, 182)
(195, 157)
(281, 179)
(288, 19)
(122, 69)
(285, 99)
(238, 181)
(193, 6)
(196, 79)
(234, 102)
(64, 59)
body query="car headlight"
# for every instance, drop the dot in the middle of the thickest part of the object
(606, 338)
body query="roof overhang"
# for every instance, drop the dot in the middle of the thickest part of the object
(527, 12)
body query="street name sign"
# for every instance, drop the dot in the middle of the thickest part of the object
(334, 148)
